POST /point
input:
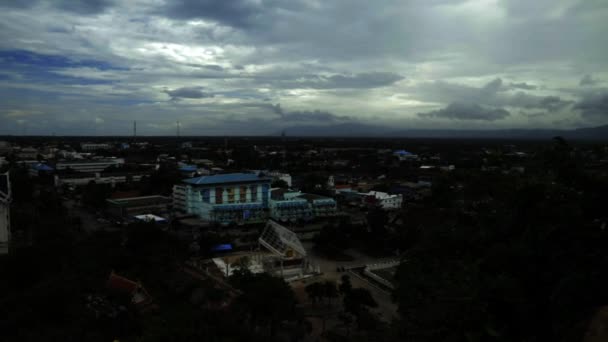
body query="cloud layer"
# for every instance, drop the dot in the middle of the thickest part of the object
(223, 67)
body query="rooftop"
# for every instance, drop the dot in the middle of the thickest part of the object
(226, 178)
(139, 200)
(279, 240)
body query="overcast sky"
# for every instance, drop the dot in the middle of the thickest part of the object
(249, 67)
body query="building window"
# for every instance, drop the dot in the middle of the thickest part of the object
(218, 195)
(243, 194)
(254, 193)
(230, 195)
(206, 194)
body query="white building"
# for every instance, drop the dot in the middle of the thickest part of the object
(5, 218)
(91, 166)
(80, 179)
(384, 200)
(403, 155)
(275, 175)
(94, 147)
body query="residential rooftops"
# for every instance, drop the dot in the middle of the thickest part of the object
(227, 178)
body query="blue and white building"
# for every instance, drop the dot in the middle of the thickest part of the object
(225, 198)
(289, 205)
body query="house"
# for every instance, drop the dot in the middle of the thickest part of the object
(404, 155)
(139, 297)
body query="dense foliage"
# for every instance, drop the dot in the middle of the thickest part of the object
(508, 258)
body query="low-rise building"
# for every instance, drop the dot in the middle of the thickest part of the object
(27, 153)
(383, 200)
(87, 147)
(40, 169)
(403, 155)
(289, 205)
(132, 206)
(224, 198)
(81, 178)
(89, 165)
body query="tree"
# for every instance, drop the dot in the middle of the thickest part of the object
(357, 302)
(329, 290)
(358, 298)
(345, 284)
(279, 183)
(314, 291)
(265, 300)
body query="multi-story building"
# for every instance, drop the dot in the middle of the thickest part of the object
(5, 219)
(89, 165)
(224, 198)
(132, 206)
(288, 205)
(321, 206)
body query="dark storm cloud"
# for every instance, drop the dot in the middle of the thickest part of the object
(353, 81)
(75, 6)
(551, 103)
(594, 106)
(213, 67)
(307, 116)
(588, 80)
(494, 94)
(315, 116)
(463, 111)
(188, 93)
(235, 13)
(523, 85)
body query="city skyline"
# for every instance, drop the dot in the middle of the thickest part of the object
(248, 67)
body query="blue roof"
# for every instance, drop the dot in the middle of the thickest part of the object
(222, 247)
(226, 178)
(42, 167)
(188, 168)
(404, 152)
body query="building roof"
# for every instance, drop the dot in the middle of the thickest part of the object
(122, 284)
(279, 239)
(150, 218)
(42, 167)
(136, 201)
(188, 168)
(226, 178)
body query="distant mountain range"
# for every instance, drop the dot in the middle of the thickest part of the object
(363, 130)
